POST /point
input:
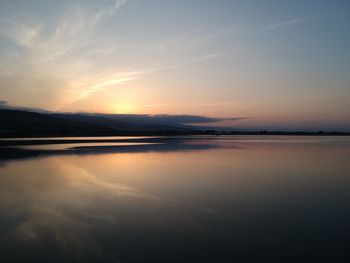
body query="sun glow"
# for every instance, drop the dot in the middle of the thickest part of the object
(124, 108)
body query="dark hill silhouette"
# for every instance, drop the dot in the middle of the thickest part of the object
(19, 123)
(24, 123)
(121, 125)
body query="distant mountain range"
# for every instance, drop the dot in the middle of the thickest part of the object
(27, 123)
(18, 123)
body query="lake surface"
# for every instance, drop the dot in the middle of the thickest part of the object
(180, 199)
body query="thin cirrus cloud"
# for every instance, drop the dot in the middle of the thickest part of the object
(212, 104)
(176, 57)
(291, 22)
(156, 105)
(215, 104)
(44, 61)
(57, 68)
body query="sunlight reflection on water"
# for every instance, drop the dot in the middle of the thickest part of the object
(213, 203)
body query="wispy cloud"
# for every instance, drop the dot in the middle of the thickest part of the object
(209, 104)
(48, 56)
(55, 59)
(217, 104)
(291, 22)
(189, 40)
(97, 83)
(118, 78)
(156, 105)
(108, 11)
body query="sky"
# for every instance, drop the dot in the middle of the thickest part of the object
(268, 64)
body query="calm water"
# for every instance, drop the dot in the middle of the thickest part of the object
(194, 199)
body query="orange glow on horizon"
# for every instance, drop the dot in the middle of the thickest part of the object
(124, 108)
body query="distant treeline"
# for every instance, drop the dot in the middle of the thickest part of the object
(265, 132)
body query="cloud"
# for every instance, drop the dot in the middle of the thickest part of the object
(48, 57)
(118, 4)
(215, 104)
(156, 105)
(165, 119)
(107, 11)
(54, 64)
(3, 104)
(291, 22)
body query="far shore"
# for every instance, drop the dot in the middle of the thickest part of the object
(156, 138)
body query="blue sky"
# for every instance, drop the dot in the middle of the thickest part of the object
(276, 63)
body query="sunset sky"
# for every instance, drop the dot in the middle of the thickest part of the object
(274, 63)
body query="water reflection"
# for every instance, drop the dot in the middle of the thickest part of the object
(27, 148)
(183, 200)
